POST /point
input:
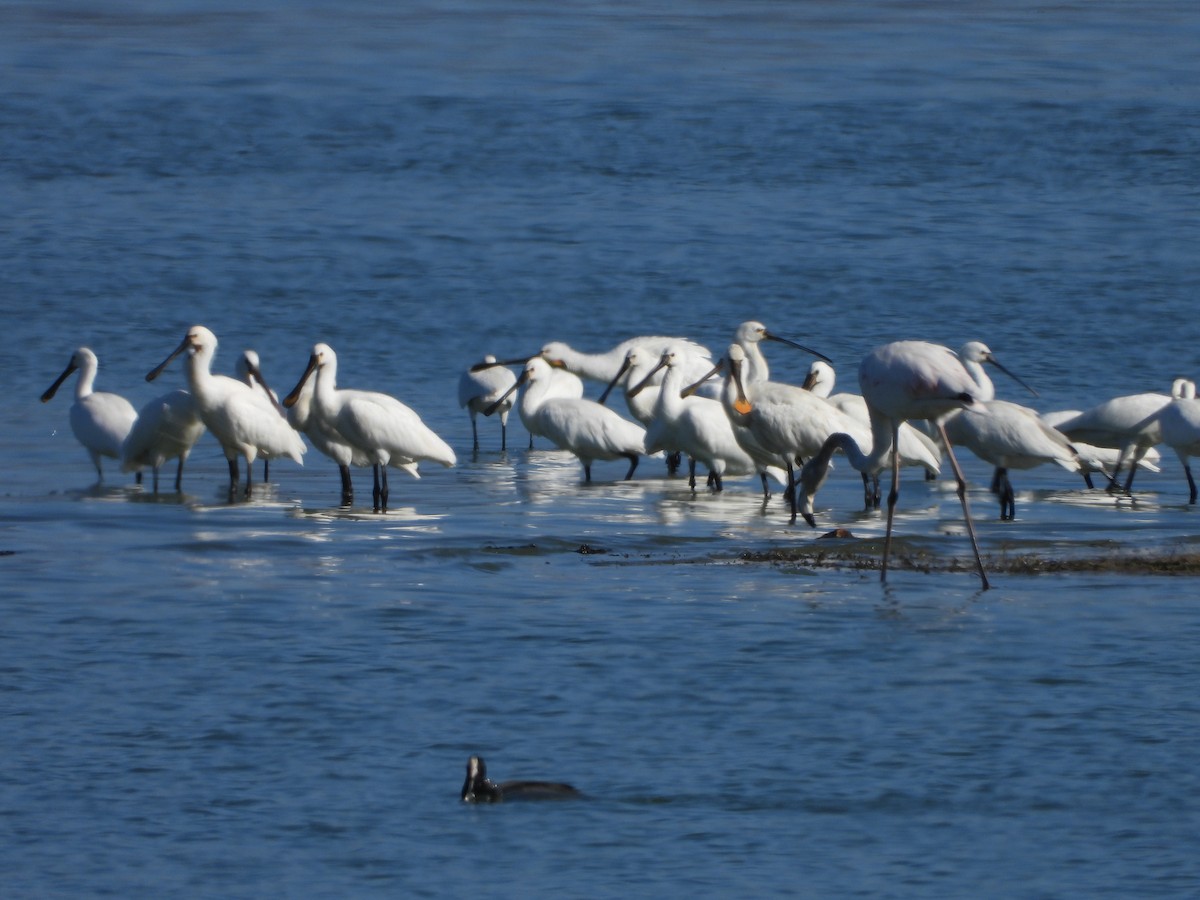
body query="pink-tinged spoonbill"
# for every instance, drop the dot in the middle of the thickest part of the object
(901, 381)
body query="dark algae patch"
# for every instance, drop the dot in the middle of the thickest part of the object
(1142, 562)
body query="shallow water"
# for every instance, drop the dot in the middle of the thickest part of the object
(279, 696)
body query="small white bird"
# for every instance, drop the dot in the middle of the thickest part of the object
(100, 421)
(378, 426)
(243, 420)
(560, 383)
(481, 386)
(166, 428)
(583, 427)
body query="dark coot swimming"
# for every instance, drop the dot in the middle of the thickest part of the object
(478, 788)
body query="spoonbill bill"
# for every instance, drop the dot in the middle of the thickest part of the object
(900, 381)
(167, 427)
(242, 419)
(99, 420)
(378, 426)
(479, 388)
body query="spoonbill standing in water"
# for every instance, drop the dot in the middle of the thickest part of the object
(244, 422)
(378, 426)
(1006, 435)
(325, 437)
(100, 421)
(1179, 421)
(479, 388)
(249, 371)
(900, 381)
(166, 428)
(584, 427)
(697, 426)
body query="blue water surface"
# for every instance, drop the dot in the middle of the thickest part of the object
(278, 697)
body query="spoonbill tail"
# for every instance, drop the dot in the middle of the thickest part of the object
(100, 421)
(166, 428)
(242, 419)
(378, 426)
(900, 381)
(479, 388)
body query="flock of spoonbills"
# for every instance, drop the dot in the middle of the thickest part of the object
(918, 401)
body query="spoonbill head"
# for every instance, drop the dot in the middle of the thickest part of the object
(99, 420)
(749, 336)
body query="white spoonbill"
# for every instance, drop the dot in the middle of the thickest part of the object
(641, 371)
(788, 422)
(327, 439)
(1095, 460)
(166, 428)
(697, 426)
(1005, 435)
(100, 420)
(583, 427)
(560, 383)
(1129, 424)
(900, 381)
(377, 425)
(1179, 422)
(249, 371)
(604, 366)
(244, 422)
(479, 388)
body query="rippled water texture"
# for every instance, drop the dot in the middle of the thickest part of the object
(278, 697)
